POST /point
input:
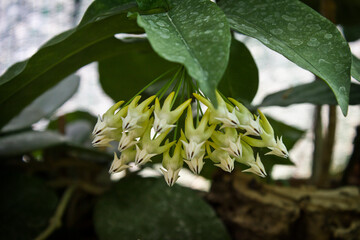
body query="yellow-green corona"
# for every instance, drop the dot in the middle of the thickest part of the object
(225, 134)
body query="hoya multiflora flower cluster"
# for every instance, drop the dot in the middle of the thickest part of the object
(225, 134)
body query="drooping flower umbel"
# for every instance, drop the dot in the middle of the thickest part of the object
(225, 134)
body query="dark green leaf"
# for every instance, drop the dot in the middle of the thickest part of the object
(151, 4)
(87, 153)
(136, 68)
(23, 142)
(45, 105)
(92, 40)
(351, 32)
(355, 68)
(194, 33)
(300, 34)
(25, 206)
(346, 11)
(241, 78)
(138, 208)
(101, 9)
(316, 93)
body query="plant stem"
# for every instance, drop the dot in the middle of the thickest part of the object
(151, 83)
(318, 143)
(323, 162)
(55, 221)
(178, 86)
(163, 90)
(327, 149)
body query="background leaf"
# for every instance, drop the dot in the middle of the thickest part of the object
(146, 208)
(315, 93)
(300, 34)
(23, 142)
(78, 132)
(72, 117)
(27, 206)
(45, 105)
(199, 39)
(151, 4)
(351, 32)
(136, 67)
(241, 78)
(355, 68)
(91, 41)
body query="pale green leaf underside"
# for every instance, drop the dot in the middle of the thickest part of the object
(315, 93)
(300, 34)
(193, 33)
(45, 105)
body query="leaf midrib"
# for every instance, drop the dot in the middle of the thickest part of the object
(191, 52)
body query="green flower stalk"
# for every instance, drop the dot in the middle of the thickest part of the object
(172, 165)
(164, 117)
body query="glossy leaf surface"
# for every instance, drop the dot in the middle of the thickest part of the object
(300, 34)
(194, 33)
